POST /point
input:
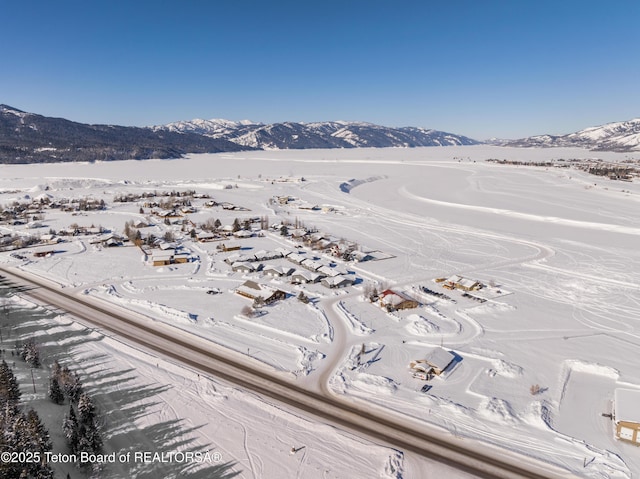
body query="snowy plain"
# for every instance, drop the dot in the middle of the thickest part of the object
(558, 246)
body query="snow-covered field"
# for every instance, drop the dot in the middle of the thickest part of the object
(556, 249)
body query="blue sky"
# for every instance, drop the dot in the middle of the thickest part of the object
(509, 68)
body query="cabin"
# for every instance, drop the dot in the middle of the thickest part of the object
(252, 290)
(626, 415)
(395, 300)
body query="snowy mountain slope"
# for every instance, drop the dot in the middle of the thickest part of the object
(619, 136)
(331, 134)
(31, 138)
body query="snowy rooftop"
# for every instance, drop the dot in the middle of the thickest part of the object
(627, 405)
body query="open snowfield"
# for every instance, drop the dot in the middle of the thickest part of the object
(556, 249)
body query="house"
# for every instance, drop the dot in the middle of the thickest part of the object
(278, 270)
(204, 236)
(228, 247)
(162, 258)
(433, 365)
(284, 252)
(297, 233)
(167, 257)
(304, 276)
(395, 300)
(252, 290)
(181, 258)
(108, 239)
(361, 256)
(327, 270)
(243, 234)
(43, 253)
(243, 267)
(164, 245)
(626, 415)
(49, 239)
(296, 258)
(315, 237)
(235, 257)
(311, 265)
(339, 281)
(464, 284)
(263, 255)
(440, 359)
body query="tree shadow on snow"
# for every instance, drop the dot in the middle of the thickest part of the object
(122, 399)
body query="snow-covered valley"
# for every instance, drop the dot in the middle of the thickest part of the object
(538, 347)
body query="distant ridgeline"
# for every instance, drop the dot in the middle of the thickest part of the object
(30, 138)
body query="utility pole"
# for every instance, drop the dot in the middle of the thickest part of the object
(33, 381)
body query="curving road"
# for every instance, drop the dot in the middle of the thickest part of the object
(368, 420)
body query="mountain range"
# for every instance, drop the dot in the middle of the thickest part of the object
(31, 138)
(620, 136)
(329, 134)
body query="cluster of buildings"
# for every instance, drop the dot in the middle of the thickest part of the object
(328, 244)
(298, 269)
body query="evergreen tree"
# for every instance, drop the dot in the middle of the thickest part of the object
(55, 391)
(86, 409)
(56, 370)
(39, 442)
(9, 389)
(70, 384)
(70, 429)
(31, 354)
(89, 438)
